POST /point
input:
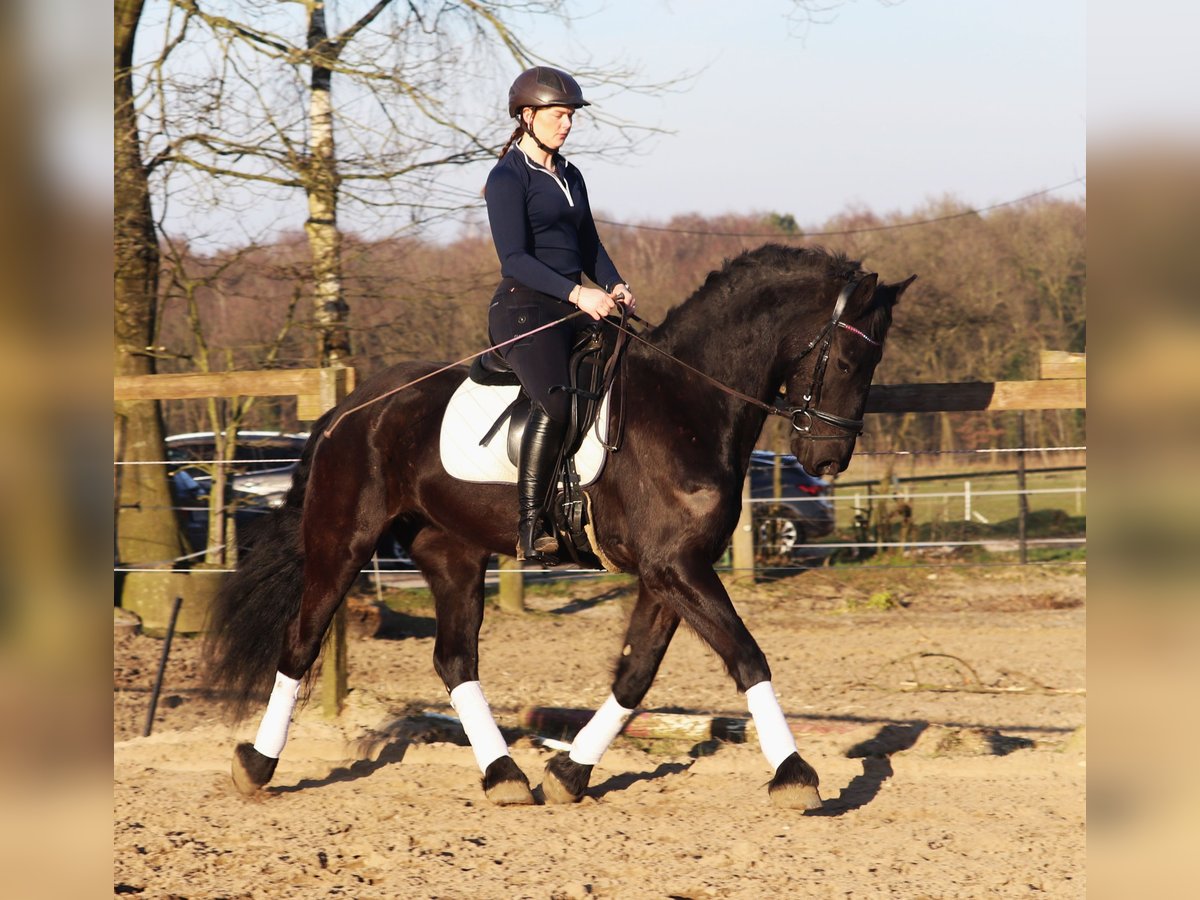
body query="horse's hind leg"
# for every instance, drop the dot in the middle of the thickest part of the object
(331, 564)
(650, 630)
(454, 570)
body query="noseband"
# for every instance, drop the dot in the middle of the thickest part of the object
(802, 416)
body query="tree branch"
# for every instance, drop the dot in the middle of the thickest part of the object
(222, 23)
(367, 18)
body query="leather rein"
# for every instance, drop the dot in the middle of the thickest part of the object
(801, 416)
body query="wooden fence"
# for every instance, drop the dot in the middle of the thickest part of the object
(1061, 385)
(315, 390)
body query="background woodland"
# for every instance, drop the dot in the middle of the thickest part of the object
(993, 290)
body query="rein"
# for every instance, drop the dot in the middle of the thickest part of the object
(801, 417)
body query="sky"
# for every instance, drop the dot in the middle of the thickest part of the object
(883, 105)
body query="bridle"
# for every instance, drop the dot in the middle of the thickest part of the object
(801, 416)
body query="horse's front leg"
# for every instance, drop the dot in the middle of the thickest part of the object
(650, 630)
(455, 570)
(697, 595)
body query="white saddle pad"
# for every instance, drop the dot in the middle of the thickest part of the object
(474, 408)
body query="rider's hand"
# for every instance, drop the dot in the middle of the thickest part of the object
(593, 301)
(623, 294)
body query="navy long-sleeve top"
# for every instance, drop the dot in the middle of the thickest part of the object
(542, 226)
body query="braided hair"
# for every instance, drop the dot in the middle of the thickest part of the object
(512, 139)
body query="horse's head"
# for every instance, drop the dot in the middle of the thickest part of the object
(828, 389)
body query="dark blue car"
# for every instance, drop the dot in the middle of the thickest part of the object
(801, 513)
(257, 481)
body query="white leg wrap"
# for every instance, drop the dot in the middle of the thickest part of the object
(600, 731)
(273, 730)
(477, 721)
(774, 736)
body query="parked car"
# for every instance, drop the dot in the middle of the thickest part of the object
(262, 466)
(257, 481)
(802, 513)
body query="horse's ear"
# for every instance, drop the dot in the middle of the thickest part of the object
(900, 287)
(862, 295)
(888, 294)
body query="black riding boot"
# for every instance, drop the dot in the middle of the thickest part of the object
(540, 447)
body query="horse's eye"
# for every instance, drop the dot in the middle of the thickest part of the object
(843, 367)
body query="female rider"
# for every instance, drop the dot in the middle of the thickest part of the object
(545, 237)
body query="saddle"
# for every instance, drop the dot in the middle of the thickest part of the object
(593, 370)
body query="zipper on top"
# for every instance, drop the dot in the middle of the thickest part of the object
(562, 183)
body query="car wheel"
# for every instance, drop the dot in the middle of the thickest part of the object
(777, 534)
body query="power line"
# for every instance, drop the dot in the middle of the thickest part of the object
(810, 234)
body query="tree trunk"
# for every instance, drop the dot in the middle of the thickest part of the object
(324, 239)
(146, 531)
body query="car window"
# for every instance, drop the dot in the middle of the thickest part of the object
(264, 455)
(253, 454)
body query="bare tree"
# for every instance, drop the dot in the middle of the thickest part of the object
(146, 530)
(188, 281)
(251, 109)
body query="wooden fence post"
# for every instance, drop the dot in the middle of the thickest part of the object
(334, 677)
(512, 585)
(315, 390)
(1022, 497)
(333, 385)
(743, 536)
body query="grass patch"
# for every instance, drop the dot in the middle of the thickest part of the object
(1058, 554)
(993, 498)
(411, 601)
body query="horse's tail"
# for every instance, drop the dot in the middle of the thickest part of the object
(251, 612)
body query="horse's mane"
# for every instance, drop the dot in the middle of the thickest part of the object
(752, 269)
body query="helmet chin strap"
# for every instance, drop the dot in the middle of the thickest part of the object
(528, 129)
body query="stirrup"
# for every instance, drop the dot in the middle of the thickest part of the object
(544, 547)
(547, 560)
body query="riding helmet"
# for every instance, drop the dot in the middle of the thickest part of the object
(544, 86)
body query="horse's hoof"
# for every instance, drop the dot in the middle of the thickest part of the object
(795, 785)
(505, 784)
(795, 796)
(565, 780)
(251, 770)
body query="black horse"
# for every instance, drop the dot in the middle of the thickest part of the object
(663, 509)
